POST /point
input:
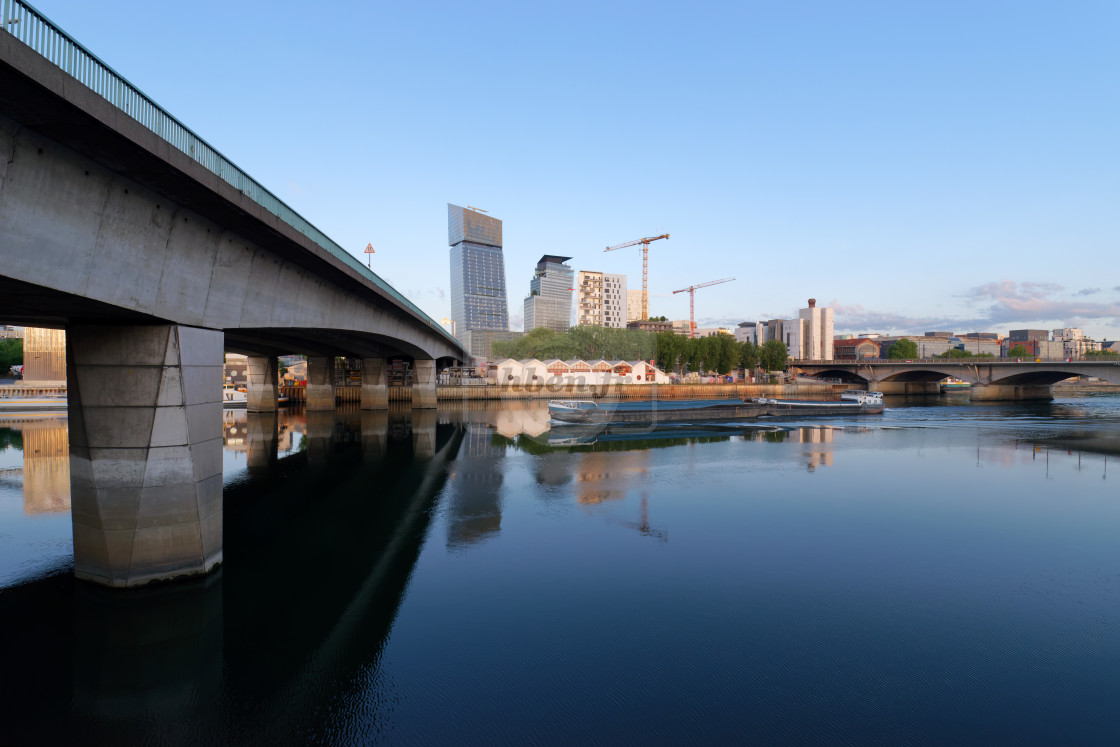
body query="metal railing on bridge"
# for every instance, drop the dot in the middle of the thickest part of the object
(30, 26)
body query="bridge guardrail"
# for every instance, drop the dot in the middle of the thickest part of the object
(27, 24)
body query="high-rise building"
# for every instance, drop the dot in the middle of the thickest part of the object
(478, 275)
(816, 335)
(634, 306)
(602, 299)
(549, 303)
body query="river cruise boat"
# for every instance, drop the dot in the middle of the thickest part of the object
(955, 386)
(651, 410)
(851, 402)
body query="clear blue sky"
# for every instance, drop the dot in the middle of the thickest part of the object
(916, 166)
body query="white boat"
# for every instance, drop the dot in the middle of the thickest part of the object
(851, 401)
(234, 397)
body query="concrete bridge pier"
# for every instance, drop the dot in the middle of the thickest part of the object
(990, 392)
(262, 432)
(263, 387)
(375, 385)
(320, 384)
(145, 451)
(424, 434)
(424, 384)
(905, 387)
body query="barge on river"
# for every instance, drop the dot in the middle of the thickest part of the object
(690, 410)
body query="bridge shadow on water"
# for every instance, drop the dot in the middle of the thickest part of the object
(319, 549)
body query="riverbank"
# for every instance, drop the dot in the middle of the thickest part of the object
(610, 391)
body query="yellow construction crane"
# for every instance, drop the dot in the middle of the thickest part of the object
(480, 210)
(692, 301)
(645, 266)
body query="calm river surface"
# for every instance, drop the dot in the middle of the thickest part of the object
(943, 573)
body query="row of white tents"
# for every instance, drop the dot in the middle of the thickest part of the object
(575, 372)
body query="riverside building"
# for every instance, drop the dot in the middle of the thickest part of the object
(549, 303)
(602, 299)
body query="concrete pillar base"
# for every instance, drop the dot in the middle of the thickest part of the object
(424, 384)
(375, 384)
(905, 387)
(263, 386)
(145, 451)
(995, 392)
(320, 384)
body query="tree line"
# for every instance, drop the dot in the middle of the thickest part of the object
(11, 354)
(670, 352)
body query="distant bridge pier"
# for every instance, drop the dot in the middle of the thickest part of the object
(320, 384)
(424, 384)
(263, 387)
(983, 392)
(375, 384)
(145, 431)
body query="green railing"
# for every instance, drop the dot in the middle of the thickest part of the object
(31, 27)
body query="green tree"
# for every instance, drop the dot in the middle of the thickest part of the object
(955, 353)
(749, 355)
(773, 355)
(11, 354)
(903, 349)
(1017, 351)
(1101, 354)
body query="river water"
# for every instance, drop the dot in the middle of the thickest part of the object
(944, 572)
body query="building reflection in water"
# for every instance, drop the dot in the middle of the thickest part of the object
(475, 505)
(821, 436)
(46, 462)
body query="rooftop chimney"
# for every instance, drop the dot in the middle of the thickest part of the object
(812, 303)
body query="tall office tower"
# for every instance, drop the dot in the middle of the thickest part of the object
(549, 303)
(478, 275)
(602, 299)
(634, 306)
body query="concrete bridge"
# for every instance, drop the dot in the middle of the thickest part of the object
(991, 379)
(157, 255)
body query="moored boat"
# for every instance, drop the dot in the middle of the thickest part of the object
(651, 410)
(234, 396)
(851, 402)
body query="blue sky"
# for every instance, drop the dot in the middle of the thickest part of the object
(916, 166)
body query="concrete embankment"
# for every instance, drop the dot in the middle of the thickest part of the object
(611, 391)
(1061, 389)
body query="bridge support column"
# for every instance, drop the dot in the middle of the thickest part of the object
(320, 383)
(263, 386)
(424, 384)
(375, 384)
(145, 451)
(989, 392)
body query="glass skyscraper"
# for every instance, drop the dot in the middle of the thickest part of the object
(549, 303)
(478, 274)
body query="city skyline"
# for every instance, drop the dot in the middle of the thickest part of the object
(920, 168)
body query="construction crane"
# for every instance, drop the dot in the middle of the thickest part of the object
(692, 301)
(645, 265)
(479, 210)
